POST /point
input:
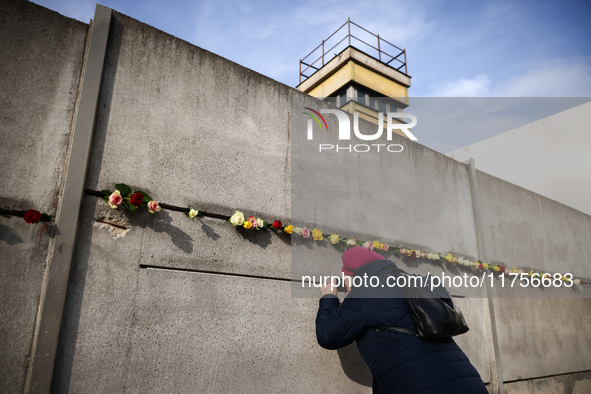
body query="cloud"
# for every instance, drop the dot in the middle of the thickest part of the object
(475, 87)
(553, 78)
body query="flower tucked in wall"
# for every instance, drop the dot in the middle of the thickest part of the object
(368, 245)
(277, 225)
(32, 216)
(351, 242)
(317, 235)
(237, 219)
(305, 232)
(334, 239)
(192, 213)
(253, 221)
(115, 199)
(136, 199)
(288, 229)
(154, 207)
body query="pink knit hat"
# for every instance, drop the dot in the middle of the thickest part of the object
(356, 257)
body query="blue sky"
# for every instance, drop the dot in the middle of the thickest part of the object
(455, 48)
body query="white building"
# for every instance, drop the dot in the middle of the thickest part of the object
(551, 157)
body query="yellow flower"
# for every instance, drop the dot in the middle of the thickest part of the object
(193, 213)
(334, 238)
(485, 266)
(377, 245)
(449, 257)
(288, 229)
(247, 224)
(496, 268)
(317, 235)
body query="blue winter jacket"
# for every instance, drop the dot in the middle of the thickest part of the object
(400, 363)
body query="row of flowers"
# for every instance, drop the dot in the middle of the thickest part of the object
(132, 201)
(123, 196)
(239, 219)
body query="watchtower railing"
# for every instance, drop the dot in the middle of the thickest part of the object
(310, 63)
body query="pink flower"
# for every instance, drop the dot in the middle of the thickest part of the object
(385, 248)
(115, 199)
(253, 220)
(305, 232)
(154, 207)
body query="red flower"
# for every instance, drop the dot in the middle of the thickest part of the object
(136, 199)
(32, 216)
(501, 268)
(277, 224)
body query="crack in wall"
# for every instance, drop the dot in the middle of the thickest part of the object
(114, 222)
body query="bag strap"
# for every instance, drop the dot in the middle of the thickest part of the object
(397, 329)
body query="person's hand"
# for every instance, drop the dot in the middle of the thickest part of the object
(328, 288)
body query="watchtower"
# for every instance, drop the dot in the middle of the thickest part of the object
(357, 71)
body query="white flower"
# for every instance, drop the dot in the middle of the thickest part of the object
(193, 213)
(237, 218)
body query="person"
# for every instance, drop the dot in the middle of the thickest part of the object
(399, 362)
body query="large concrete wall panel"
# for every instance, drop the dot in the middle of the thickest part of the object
(190, 126)
(541, 337)
(538, 336)
(524, 229)
(41, 56)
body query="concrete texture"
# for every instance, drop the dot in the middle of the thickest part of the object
(191, 128)
(42, 55)
(543, 336)
(188, 126)
(210, 333)
(524, 229)
(576, 383)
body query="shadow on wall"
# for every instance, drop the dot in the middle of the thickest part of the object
(353, 365)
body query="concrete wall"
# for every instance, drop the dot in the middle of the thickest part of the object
(175, 305)
(41, 56)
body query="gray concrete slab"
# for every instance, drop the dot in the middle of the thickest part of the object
(41, 54)
(189, 127)
(543, 336)
(524, 229)
(184, 332)
(576, 383)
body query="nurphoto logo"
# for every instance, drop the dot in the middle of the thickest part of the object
(344, 130)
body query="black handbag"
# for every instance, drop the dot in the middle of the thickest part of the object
(433, 312)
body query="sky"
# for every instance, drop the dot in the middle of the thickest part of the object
(455, 48)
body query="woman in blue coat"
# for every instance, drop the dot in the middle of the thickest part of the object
(399, 362)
